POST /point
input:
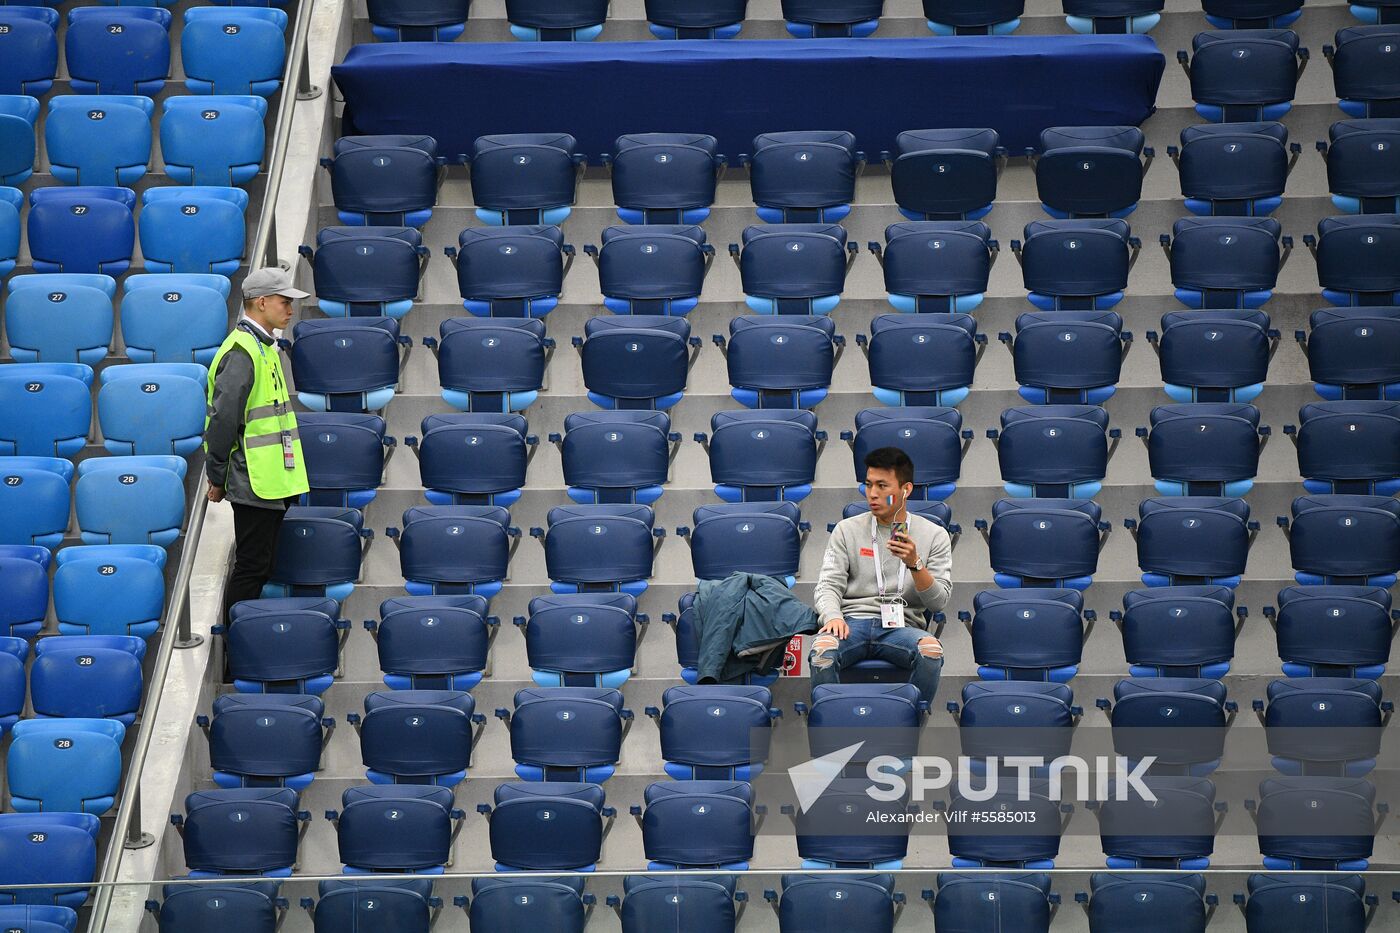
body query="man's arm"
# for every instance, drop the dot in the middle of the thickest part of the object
(938, 563)
(831, 584)
(232, 383)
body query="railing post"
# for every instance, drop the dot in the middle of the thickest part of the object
(135, 838)
(305, 89)
(184, 638)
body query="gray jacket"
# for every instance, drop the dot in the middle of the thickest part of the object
(225, 463)
(744, 621)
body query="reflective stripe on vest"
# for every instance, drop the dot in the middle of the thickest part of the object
(266, 418)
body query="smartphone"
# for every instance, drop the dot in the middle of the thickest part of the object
(899, 530)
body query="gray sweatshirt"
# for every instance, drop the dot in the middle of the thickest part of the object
(846, 587)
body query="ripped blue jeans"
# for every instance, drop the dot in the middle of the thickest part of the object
(868, 640)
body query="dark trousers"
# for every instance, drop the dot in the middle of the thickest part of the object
(255, 549)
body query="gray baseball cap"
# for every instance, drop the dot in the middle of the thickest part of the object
(271, 281)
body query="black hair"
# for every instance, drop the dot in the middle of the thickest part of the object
(891, 458)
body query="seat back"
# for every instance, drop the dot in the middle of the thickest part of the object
(240, 831)
(214, 140)
(1345, 536)
(1358, 163)
(698, 823)
(1018, 901)
(1357, 259)
(345, 365)
(833, 832)
(497, 464)
(715, 727)
(780, 354)
(456, 545)
(1233, 165)
(265, 738)
(433, 642)
(390, 179)
(61, 318)
(839, 711)
(1193, 536)
(1316, 821)
(656, 263)
(417, 736)
(1205, 447)
(937, 259)
(946, 174)
(1178, 720)
(395, 828)
(153, 408)
(923, 359)
(1068, 350)
(1214, 350)
(616, 456)
(1334, 629)
(585, 633)
(193, 229)
(1075, 259)
(1351, 353)
(35, 495)
(599, 544)
(274, 642)
(860, 903)
(344, 457)
(65, 765)
(1295, 904)
(792, 262)
(1244, 75)
(523, 175)
(929, 434)
(1352, 446)
(1359, 70)
(43, 848)
(705, 905)
(746, 537)
(1179, 631)
(1053, 449)
(102, 139)
(1176, 830)
(1175, 904)
(566, 733)
(1050, 539)
(216, 908)
(174, 318)
(233, 51)
(500, 270)
(348, 908)
(86, 229)
(1225, 262)
(804, 171)
(667, 173)
(547, 826)
(118, 51)
(31, 54)
(768, 454)
(365, 269)
(975, 840)
(110, 590)
(527, 903)
(1005, 620)
(1089, 171)
(492, 361)
(43, 415)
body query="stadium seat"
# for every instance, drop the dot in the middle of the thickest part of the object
(1175, 831)
(1053, 450)
(407, 906)
(11, 201)
(804, 176)
(64, 765)
(60, 318)
(35, 919)
(45, 409)
(832, 831)
(1317, 823)
(272, 740)
(174, 318)
(284, 645)
(1214, 356)
(656, 269)
(636, 362)
(410, 21)
(794, 269)
(24, 572)
(1001, 627)
(1179, 631)
(153, 408)
(1349, 447)
(433, 642)
(524, 178)
(697, 824)
(193, 229)
(34, 500)
(763, 455)
(421, 737)
(704, 905)
(1050, 372)
(581, 640)
(1091, 171)
(131, 500)
(452, 550)
(1361, 75)
(858, 903)
(98, 139)
(1178, 721)
(1289, 903)
(349, 365)
(1204, 448)
(547, 825)
(680, 19)
(960, 18)
(1103, 251)
(1324, 725)
(112, 589)
(889, 714)
(1357, 258)
(577, 562)
(241, 832)
(566, 733)
(976, 844)
(823, 19)
(1225, 263)
(1344, 539)
(491, 366)
(30, 43)
(345, 457)
(495, 472)
(43, 848)
(684, 623)
(1252, 14)
(1375, 11)
(214, 141)
(367, 271)
(118, 51)
(715, 732)
(985, 901)
(239, 50)
(1243, 75)
(1359, 165)
(556, 20)
(954, 282)
(1111, 17)
(664, 178)
(932, 435)
(529, 903)
(1234, 169)
(1044, 542)
(318, 553)
(81, 229)
(384, 180)
(1172, 903)
(1352, 353)
(510, 272)
(615, 456)
(1333, 631)
(1185, 540)
(87, 677)
(13, 681)
(1003, 718)
(947, 174)
(746, 537)
(782, 361)
(922, 361)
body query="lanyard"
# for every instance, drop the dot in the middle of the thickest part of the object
(274, 371)
(879, 559)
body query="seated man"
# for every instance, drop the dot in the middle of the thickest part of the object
(880, 574)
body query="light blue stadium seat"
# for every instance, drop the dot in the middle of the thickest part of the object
(13, 682)
(213, 140)
(38, 919)
(195, 229)
(24, 581)
(43, 848)
(85, 229)
(11, 200)
(34, 500)
(235, 50)
(131, 500)
(109, 589)
(18, 114)
(43, 412)
(174, 318)
(28, 50)
(98, 139)
(60, 318)
(123, 51)
(153, 408)
(65, 765)
(88, 677)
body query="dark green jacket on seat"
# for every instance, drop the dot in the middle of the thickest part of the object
(744, 621)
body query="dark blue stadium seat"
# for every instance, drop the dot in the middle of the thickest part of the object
(346, 365)
(43, 848)
(1174, 831)
(1076, 265)
(1349, 447)
(581, 640)
(1336, 631)
(18, 114)
(665, 178)
(45, 409)
(318, 553)
(492, 366)
(566, 733)
(273, 740)
(64, 765)
(284, 645)
(1360, 72)
(1068, 357)
(130, 500)
(1318, 823)
(1233, 169)
(510, 271)
(832, 832)
(344, 457)
(81, 229)
(922, 361)
(697, 824)
(420, 737)
(547, 826)
(1113, 17)
(35, 919)
(433, 642)
(657, 269)
(88, 677)
(193, 229)
(60, 318)
(858, 903)
(1345, 539)
(951, 282)
(1252, 14)
(1001, 718)
(24, 571)
(978, 842)
(1203, 448)
(174, 318)
(113, 589)
(98, 139)
(1053, 450)
(1179, 631)
(393, 829)
(892, 712)
(35, 497)
(715, 732)
(1192, 540)
(524, 178)
(615, 456)
(636, 362)
(1358, 258)
(153, 408)
(1002, 625)
(794, 268)
(1352, 353)
(556, 20)
(233, 51)
(406, 906)
(1225, 263)
(1044, 542)
(947, 174)
(931, 435)
(1375, 11)
(804, 176)
(495, 472)
(832, 19)
(781, 362)
(1165, 903)
(1090, 171)
(746, 537)
(598, 548)
(1296, 903)
(415, 21)
(367, 271)
(703, 905)
(450, 550)
(1178, 721)
(763, 455)
(121, 51)
(555, 904)
(684, 19)
(1324, 725)
(384, 180)
(30, 41)
(213, 140)
(1214, 356)
(1244, 74)
(965, 903)
(1359, 165)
